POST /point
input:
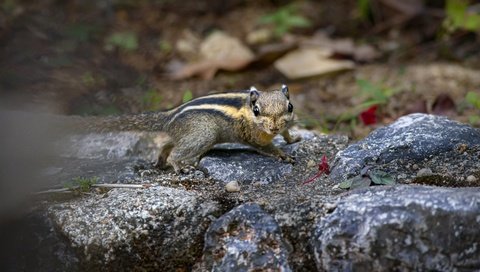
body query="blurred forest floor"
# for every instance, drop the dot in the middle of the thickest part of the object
(351, 65)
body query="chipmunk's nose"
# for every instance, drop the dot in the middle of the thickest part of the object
(274, 130)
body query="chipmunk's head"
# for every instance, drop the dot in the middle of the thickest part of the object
(272, 111)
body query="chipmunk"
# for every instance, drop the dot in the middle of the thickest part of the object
(249, 117)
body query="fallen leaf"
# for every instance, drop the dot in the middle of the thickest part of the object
(269, 53)
(443, 105)
(365, 53)
(309, 62)
(218, 51)
(188, 45)
(360, 182)
(205, 70)
(369, 116)
(323, 167)
(259, 36)
(381, 178)
(346, 184)
(355, 182)
(344, 47)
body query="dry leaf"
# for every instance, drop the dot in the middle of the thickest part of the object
(309, 62)
(443, 105)
(187, 46)
(344, 47)
(259, 36)
(269, 53)
(217, 51)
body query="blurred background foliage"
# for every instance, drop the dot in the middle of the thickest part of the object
(354, 58)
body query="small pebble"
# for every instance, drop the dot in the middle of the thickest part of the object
(415, 167)
(199, 174)
(424, 172)
(311, 163)
(232, 186)
(471, 178)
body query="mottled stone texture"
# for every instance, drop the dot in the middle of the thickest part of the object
(245, 239)
(234, 162)
(158, 228)
(275, 222)
(412, 138)
(404, 228)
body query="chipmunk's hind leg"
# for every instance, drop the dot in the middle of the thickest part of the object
(164, 153)
(189, 150)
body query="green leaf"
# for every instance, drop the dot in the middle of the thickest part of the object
(455, 11)
(355, 182)
(108, 110)
(88, 79)
(472, 22)
(360, 182)
(9, 6)
(123, 40)
(459, 17)
(473, 99)
(165, 46)
(373, 92)
(346, 184)
(364, 8)
(81, 32)
(267, 19)
(83, 184)
(152, 99)
(298, 21)
(284, 19)
(381, 178)
(187, 96)
(280, 30)
(474, 119)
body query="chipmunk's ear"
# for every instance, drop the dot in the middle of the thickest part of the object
(285, 91)
(254, 94)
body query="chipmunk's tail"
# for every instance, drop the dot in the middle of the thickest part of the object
(152, 121)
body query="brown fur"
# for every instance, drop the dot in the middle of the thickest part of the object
(196, 126)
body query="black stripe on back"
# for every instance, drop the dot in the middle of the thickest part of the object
(204, 111)
(236, 102)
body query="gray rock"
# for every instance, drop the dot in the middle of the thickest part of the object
(404, 228)
(102, 146)
(424, 172)
(109, 157)
(163, 228)
(234, 162)
(154, 228)
(285, 199)
(245, 239)
(412, 139)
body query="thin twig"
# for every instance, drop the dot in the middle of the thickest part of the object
(51, 191)
(101, 185)
(114, 185)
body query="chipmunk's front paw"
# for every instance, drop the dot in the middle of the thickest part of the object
(188, 169)
(294, 139)
(287, 158)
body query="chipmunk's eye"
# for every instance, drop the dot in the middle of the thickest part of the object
(290, 107)
(256, 110)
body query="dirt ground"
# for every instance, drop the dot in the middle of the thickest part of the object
(61, 57)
